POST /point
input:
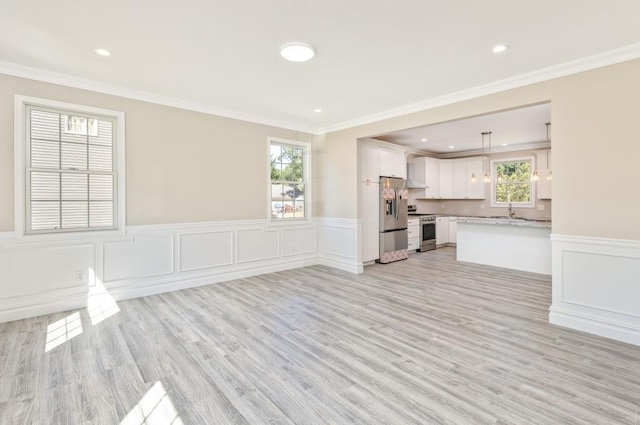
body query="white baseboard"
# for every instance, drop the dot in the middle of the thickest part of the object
(595, 325)
(39, 305)
(596, 285)
(159, 286)
(340, 263)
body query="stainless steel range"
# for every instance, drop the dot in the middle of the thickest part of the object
(427, 232)
(427, 229)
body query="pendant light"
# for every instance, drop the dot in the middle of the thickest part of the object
(549, 175)
(486, 178)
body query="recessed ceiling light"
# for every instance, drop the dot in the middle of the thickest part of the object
(451, 147)
(423, 140)
(318, 110)
(505, 144)
(103, 52)
(297, 52)
(499, 48)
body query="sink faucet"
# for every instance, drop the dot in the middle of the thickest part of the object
(511, 211)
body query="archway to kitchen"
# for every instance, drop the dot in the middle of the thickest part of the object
(480, 185)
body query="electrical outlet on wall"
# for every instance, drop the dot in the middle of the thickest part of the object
(481, 206)
(541, 207)
(442, 206)
(81, 275)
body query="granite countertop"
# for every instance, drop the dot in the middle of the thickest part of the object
(504, 221)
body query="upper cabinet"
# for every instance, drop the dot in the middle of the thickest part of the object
(447, 178)
(475, 186)
(543, 185)
(381, 159)
(369, 163)
(392, 163)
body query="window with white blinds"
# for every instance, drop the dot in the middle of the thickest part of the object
(71, 174)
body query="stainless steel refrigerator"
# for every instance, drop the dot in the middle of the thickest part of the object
(394, 237)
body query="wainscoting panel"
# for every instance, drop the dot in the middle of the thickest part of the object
(338, 243)
(596, 286)
(257, 244)
(299, 241)
(204, 250)
(145, 256)
(28, 271)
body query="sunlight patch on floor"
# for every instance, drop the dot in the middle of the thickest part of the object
(100, 303)
(155, 408)
(63, 330)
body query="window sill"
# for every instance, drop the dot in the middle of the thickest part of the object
(72, 238)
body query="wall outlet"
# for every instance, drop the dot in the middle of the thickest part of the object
(81, 275)
(541, 207)
(481, 206)
(442, 206)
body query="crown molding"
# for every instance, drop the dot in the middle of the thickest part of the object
(599, 60)
(31, 73)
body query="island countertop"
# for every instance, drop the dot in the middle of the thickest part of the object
(504, 221)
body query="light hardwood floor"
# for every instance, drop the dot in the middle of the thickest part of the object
(422, 341)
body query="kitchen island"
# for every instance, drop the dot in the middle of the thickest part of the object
(517, 244)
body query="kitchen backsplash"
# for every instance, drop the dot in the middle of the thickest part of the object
(464, 207)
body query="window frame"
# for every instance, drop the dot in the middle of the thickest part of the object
(494, 182)
(306, 173)
(21, 144)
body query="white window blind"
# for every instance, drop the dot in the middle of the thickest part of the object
(70, 171)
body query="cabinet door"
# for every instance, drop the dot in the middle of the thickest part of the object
(442, 230)
(446, 179)
(392, 163)
(370, 219)
(432, 178)
(460, 180)
(453, 229)
(475, 190)
(399, 164)
(370, 163)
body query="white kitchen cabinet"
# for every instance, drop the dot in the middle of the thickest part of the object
(475, 190)
(456, 178)
(442, 230)
(413, 225)
(543, 186)
(446, 179)
(369, 163)
(392, 163)
(453, 229)
(460, 180)
(369, 196)
(424, 174)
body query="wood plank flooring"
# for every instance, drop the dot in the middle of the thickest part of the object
(422, 341)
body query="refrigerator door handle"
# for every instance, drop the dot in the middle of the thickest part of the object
(396, 191)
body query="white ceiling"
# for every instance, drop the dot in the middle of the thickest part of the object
(510, 130)
(371, 56)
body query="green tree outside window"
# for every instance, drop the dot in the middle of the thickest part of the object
(513, 182)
